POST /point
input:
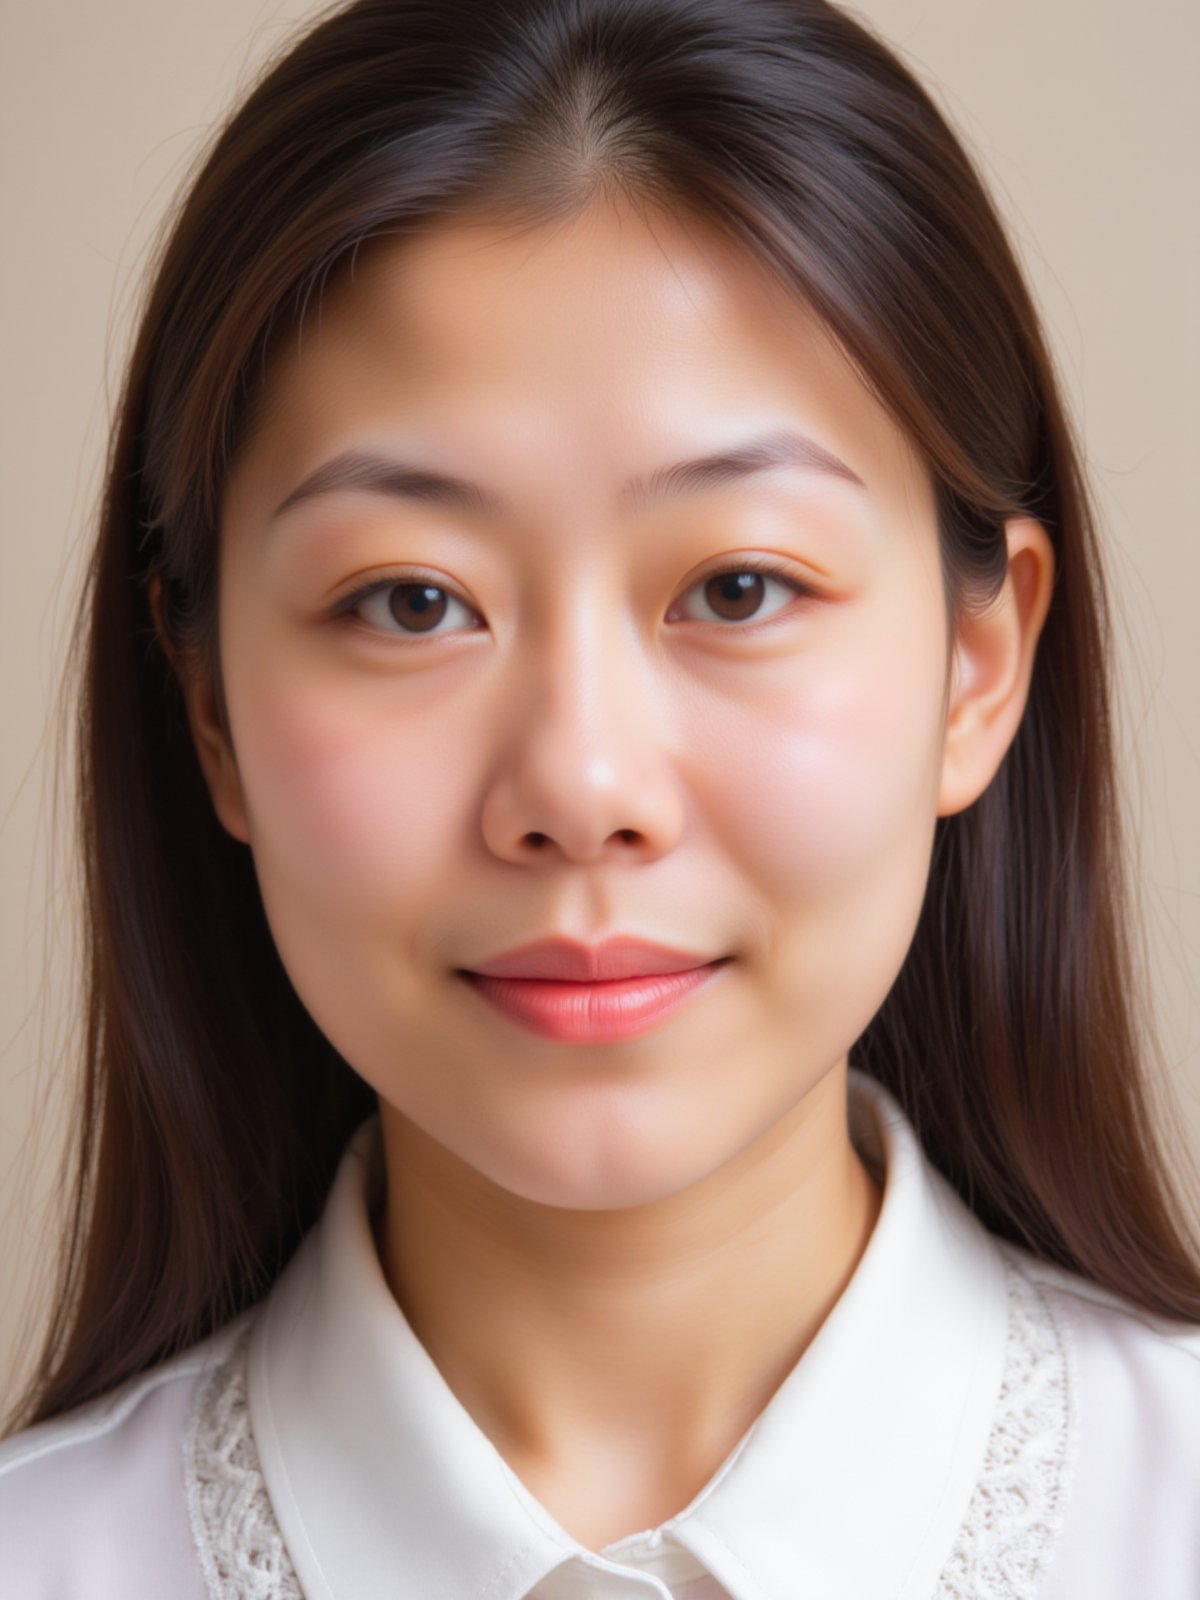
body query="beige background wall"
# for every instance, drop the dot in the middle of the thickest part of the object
(1085, 118)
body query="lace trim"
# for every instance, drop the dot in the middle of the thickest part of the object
(1011, 1524)
(1000, 1553)
(241, 1549)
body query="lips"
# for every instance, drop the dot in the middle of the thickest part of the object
(592, 994)
(571, 962)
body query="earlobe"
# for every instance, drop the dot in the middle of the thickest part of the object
(992, 668)
(214, 750)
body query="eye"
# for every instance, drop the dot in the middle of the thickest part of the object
(415, 602)
(734, 593)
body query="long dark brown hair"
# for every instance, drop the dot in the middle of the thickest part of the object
(212, 1111)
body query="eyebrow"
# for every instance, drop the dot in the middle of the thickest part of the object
(389, 475)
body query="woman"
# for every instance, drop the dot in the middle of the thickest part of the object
(612, 1064)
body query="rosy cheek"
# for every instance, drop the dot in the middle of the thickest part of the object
(350, 806)
(820, 782)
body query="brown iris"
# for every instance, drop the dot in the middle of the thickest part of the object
(740, 590)
(419, 606)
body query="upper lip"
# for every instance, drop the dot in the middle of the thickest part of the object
(618, 957)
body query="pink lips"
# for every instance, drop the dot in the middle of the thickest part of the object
(595, 995)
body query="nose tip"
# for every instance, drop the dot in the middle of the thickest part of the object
(553, 794)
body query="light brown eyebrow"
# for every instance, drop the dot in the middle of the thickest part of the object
(389, 475)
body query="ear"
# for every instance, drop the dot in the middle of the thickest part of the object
(991, 668)
(209, 733)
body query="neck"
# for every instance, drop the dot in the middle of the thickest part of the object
(653, 1334)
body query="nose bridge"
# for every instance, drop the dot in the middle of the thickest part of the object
(591, 708)
(585, 749)
(583, 648)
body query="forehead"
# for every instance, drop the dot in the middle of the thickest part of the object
(605, 343)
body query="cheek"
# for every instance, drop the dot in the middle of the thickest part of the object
(342, 810)
(835, 769)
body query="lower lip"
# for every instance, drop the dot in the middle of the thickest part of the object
(592, 1013)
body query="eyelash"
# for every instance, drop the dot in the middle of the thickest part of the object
(764, 566)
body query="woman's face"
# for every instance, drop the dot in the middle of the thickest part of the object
(564, 725)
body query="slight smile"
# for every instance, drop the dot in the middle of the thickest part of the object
(598, 1012)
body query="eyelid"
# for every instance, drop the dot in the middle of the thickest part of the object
(766, 566)
(387, 579)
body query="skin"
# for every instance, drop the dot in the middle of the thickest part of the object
(613, 1253)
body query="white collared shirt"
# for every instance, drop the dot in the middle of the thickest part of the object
(967, 1422)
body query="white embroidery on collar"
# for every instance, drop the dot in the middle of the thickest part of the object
(1015, 1512)
(241, 1549)
(1000, 1552)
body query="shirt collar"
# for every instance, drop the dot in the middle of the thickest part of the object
(853, 1480)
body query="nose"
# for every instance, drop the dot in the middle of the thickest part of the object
(586, 765)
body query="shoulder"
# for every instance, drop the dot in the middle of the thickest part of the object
(93, 1503)
(1130, 1401)
(1145, 1367)
(1109, 1324)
